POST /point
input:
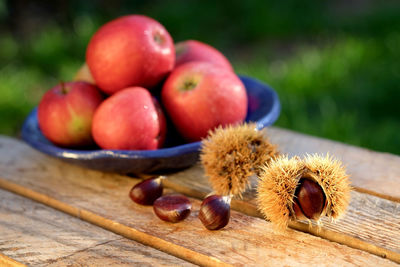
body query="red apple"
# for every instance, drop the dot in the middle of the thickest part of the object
(129, 120)
(192, 50)
(199, 96)
(129, 51)
(65, 113)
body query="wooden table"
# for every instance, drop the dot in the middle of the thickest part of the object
(56, 214)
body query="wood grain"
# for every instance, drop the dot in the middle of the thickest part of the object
(246, 240)
(37, 235)
(8, 262)
(235, 244)
(119, 253)
(371, 223)
(371, 172)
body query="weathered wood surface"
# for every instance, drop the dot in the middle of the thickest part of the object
(249, 247)
(120, 253)
(8, 262)
(369, 219)
(37, 235)
(372, 172)
(245, 241)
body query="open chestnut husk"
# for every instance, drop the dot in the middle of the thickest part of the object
(215, 211)
(303, 189)
(172, 208)
(147, 191)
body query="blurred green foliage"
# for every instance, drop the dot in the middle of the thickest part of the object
(334, 64)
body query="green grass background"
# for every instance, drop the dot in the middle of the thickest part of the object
(334, 64)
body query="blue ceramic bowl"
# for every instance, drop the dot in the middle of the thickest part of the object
(263, 108)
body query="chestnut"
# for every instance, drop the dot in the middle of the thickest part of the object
(215, 211)
(309, 199)
(306, 188)
(172, 208)
(147, 191)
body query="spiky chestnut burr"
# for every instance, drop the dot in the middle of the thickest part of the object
(306, 188)
(232, 154)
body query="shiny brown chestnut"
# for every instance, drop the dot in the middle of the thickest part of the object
(308, 189)
(147, 191)
(309, 201)
(215, 211)
(172, 208)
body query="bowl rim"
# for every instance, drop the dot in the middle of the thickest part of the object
(183, 149)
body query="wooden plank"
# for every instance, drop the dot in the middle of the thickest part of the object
(33, 233)
(114, 226)
(371, 223)
(371, 172)
(101, 197)
(236, 244)
(119, 253)
(37, 235)
(369, 219)
(8, 262)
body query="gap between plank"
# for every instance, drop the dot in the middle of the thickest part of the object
(115, 227)
(373, 193)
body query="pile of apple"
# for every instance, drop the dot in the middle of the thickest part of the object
(130, 59)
